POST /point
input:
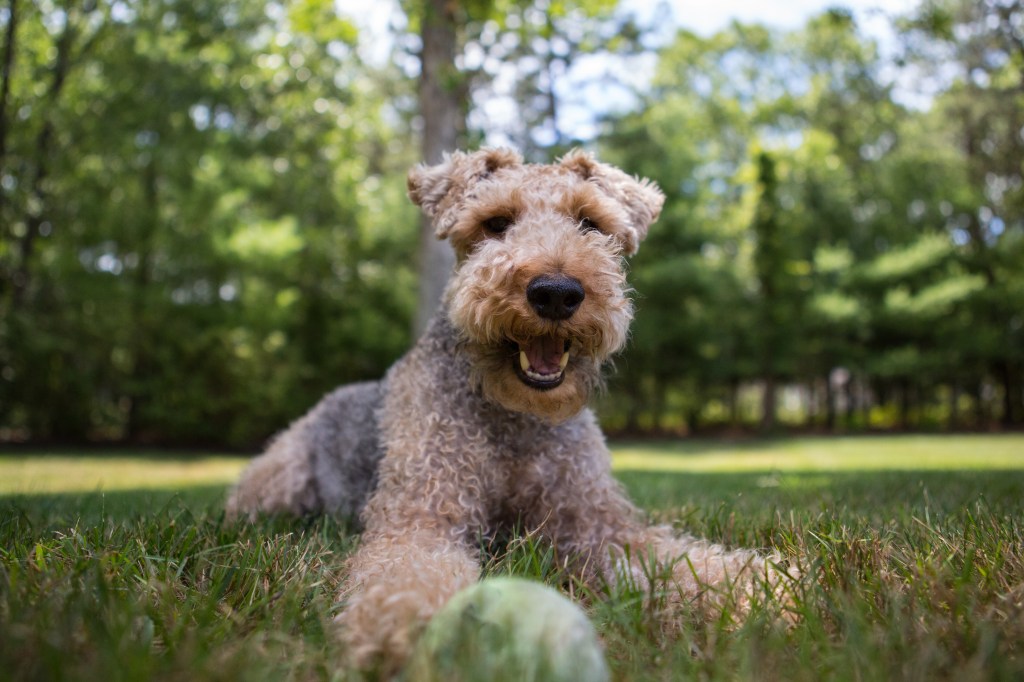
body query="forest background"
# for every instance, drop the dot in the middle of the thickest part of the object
(203, 221)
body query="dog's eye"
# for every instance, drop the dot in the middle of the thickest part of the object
(497, 224)
(588, 225)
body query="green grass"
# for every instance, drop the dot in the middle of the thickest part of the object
(828, 454)
(912, 549)
(68, 473)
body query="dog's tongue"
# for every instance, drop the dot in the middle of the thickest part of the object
(545, 354)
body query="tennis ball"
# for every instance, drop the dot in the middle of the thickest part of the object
(505, 629)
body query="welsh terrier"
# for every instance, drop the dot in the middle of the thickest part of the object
(483, 425)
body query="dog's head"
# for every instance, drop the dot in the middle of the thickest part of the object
(539, 292)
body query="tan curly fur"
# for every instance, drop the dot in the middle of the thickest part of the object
(454, 444)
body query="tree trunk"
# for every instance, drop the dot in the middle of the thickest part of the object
(864, 402)
(904, 417)
(734, 403)
(6, 71)
(633, 411)
(954, 406)
(1013, 403)
(35, 216)
(978, 396)
(441, 97)
(809, 397)
(830, 403)
(143, 365)
(768, 409)
(849, 414)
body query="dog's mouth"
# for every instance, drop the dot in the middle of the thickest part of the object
(541, 361)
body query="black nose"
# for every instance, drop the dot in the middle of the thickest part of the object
(555, 297)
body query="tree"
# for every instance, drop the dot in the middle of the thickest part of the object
(208, 258)
(831, 204)
(981, 46)
(775, 318)
(442, 95)
(698, 296)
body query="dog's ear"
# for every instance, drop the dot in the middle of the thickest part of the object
(641, 198)
(439, 190)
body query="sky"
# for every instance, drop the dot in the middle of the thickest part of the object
(703, 17)
(706, 17)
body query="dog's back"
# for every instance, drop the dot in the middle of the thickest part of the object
(325, 462)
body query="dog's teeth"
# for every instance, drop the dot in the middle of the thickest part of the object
(536, 376)
(529, 371)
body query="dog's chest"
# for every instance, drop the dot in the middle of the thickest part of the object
(527, 462)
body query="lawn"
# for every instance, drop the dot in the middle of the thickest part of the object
(912, 551)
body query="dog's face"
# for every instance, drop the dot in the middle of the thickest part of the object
(539, 292)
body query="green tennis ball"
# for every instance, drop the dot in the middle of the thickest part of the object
(505, 629)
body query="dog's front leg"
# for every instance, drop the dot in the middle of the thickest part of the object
(606, 537)
(593, 525)
(397, 580)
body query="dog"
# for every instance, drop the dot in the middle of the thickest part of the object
(483, 424)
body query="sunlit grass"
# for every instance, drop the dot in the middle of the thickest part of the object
(866, 453)
(65, 473)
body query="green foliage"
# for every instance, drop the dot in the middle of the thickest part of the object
(831, 228)
(904, 263)
(203, 221)
(202, 259)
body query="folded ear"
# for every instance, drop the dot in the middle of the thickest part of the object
(439, 190)
(641, 198)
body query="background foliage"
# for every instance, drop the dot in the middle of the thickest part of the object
(203, 224)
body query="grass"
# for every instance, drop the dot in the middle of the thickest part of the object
(49, 473)
(123, 568)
